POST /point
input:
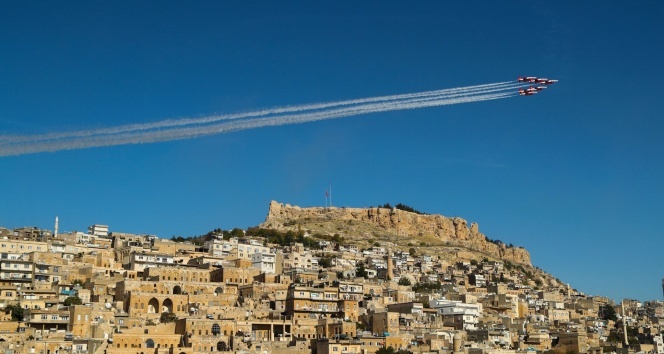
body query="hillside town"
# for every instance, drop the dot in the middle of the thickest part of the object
(266, 291)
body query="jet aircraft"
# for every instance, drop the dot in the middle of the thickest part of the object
(545, 81)
(527, 79)
(528, 92)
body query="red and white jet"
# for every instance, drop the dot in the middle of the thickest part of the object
(528, 92)
(545, 81)
(527, 79)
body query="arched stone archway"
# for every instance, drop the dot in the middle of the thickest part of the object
(153, 306)
(167, 306)
(218, 290)
(177, 290)
(149, 343)
(221, 346)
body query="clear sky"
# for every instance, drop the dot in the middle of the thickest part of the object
(574, 174)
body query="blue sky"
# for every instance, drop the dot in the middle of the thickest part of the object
(574, 174)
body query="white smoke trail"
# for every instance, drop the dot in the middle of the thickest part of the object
(186, 132)
(507, 85)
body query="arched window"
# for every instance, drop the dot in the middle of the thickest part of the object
(149, 343)
(216, 329)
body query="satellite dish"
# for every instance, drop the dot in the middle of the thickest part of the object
(108, 305)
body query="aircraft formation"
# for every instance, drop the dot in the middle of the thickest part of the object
(534, 80)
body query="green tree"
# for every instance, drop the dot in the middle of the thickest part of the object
(237, 232)
(404, 281)
(325, 262)
(412, 251)
(360, 326)
(16, 311)
(609, 313)
(386, 350)
(360, 271)
(167, 317)
(73, 300)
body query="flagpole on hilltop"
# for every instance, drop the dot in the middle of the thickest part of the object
(330, 195)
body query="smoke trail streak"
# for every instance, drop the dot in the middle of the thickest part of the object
(508, 85)
(186, 132)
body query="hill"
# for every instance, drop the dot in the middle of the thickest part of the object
(450, 238)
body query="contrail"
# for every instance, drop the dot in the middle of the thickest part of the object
(187, 131)
(279, 110)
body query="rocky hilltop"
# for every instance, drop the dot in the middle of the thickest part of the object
(397, 226)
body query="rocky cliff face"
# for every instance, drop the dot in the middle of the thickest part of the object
(453, 231)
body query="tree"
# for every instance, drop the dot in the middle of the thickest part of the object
(360, 326)
(167, 317)
(361, 271)
(325, 262)
(16, 311)
(386, 350)
(609, 313)
(237, 232)
(73, 300)
(412, 251)
(404, 281)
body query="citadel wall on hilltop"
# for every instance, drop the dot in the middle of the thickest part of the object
(454, 230)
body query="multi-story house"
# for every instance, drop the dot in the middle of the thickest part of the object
(15, 271)
(265, 262)
(138, 261)
(312, 302)
(47, 320)
(461, 315)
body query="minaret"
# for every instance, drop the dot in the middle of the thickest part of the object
(390, 268)
(624, 319)
(55, 235)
